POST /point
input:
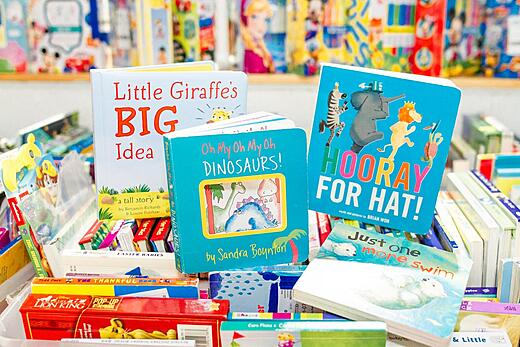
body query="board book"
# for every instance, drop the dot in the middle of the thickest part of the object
(132, 109)
(490, 316)
(249, 181)
(302, 334)
(141, 287)
(379, 145)
(415, 289)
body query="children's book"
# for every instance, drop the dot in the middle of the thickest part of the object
(142, 235)
(501, 51)
(506, 285)
(496, 338)
(132, 109)
(122, 39)
(314, 37)
(140, 287)
(264, 289)
(462, 37)
(361, 274)
(186, 44)
(13, 258)
(14, 48)
(399, 34)
(207, 30)
(154, 31)
(302, 334)
(67, 36)
(379, 145)
(160, 235)
(428, 49)
(298, 316)
(263, 28)
(249, 181)
(490, 316)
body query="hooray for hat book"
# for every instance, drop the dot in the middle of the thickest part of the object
(132, 109)
(379, 145)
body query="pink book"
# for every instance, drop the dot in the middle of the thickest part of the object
(110, 241)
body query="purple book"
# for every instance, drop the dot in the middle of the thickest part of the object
(481, 291)
(110, 240)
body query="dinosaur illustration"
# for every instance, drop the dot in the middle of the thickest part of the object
(248, 217)
(400, 131)
(221, 215)
(371, 106)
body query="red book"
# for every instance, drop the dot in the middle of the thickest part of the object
(160, 235)
(54, 317)
(323, 226)
(142, 236)
(85, 242)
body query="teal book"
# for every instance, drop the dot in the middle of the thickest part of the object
(379, 145)
(361, 274)
(238, 194)
(290, 333)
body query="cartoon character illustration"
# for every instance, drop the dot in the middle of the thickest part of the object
(15, 169)
(159, 29)
(49, 61)
(219, 114)
(400, 131)
(425, 27)
(183, 5)
(402, 292)
(285, 340)
(371, 106)
(268, 193)
(434, 140)
(221, 215)
(116, 331)
(35, 33)
(334, 111)
(313, 25)
(249, 216)
(253, 27)
(162, 57)
(343, 249)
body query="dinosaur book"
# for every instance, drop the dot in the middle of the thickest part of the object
(415, 289)
(379, 145)
(242, 200)
(132, 109)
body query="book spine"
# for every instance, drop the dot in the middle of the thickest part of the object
(32, 250)
(173, 215)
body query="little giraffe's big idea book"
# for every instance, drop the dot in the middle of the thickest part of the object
(132, 109)
(379, 144)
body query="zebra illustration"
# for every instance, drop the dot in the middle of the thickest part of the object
(334, 112)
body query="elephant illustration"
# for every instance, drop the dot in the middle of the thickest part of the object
(371, 105)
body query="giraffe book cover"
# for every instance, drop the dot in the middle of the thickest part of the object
(132, 109)
(242, 199)
(379, 145)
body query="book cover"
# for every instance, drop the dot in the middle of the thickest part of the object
(415, 289)
(501, 51)
(428, 49)
(313, 37)
(302, 334)
(86, 241)
(399, 34)
(139, 287)
(251, 192)
(298, 316)
(154, 31)
(207, 11)
(264, 289)
(13, 258)
(186, 31)
(263, 29)
(67, 36)
(122, 39)
(379, 145)
(132, 109)
(14, 47)
(496, 338)
(142, 235)
(462, 37)
(490, 316)
(53, 317)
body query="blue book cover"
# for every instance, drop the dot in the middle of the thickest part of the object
(379, 145)
(241, 198)
(361, 274)
(261, 289)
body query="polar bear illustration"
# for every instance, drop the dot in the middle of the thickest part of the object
(344, 249)
(402, 292)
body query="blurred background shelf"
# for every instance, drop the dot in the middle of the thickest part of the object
(462, 82)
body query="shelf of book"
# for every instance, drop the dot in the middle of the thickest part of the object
(463, 82)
